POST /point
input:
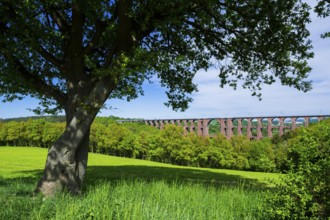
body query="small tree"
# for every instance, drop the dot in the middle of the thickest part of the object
(74, 55)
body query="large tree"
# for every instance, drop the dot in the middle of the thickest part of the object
(76, 54)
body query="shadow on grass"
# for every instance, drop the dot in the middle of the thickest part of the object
(170, 175)
(23, 186)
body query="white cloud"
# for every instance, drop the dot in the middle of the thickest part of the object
(277, 99)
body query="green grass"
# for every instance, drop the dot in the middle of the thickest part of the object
(121, 188)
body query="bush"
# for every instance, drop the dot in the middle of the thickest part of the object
(262, 156)
(241, 146)
(223, 152)
(281, 153)
(304, 192)
(173, 147)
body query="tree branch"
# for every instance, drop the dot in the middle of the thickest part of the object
(57, 17)
(110, 55)
(73, 57)
(41, 86)
(76, 28)
(207, 32)
(60, 20)
(49, 57)
(99, 30)
(36, 45)
(123, 41)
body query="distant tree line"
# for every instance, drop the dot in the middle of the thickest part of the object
(57, 118)
(170, 145)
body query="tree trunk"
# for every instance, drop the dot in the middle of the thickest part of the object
(67, 158)
(66, 163)
(82, 159)
(81, 155)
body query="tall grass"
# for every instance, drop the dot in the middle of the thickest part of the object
(131, 190)
(137, 199)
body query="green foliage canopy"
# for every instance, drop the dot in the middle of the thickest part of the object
(59, 51)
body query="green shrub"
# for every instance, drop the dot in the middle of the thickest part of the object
(223, 151)
(304, 192)
(281, 154)
(261, 156)
(173, 146)
(241, 146)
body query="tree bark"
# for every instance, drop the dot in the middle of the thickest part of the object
(81, 155)
(66, 163)
(67, 158)
(82, 159)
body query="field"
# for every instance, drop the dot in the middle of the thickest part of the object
(121, 188)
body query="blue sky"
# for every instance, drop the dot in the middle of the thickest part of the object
(212, 101)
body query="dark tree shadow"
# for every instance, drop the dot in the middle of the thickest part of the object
(170, 175)
(20, 186)
(114, 174)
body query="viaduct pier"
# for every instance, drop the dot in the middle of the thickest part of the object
(252, 127)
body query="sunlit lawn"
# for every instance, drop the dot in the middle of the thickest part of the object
(122, 188)
(29, 161)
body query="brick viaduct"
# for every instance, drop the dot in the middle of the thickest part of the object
(252, 127)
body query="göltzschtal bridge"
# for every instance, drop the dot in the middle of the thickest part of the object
(252, 127)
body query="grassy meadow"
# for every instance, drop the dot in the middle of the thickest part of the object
(122, 188)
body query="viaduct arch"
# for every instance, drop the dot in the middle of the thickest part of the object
(252, 127)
